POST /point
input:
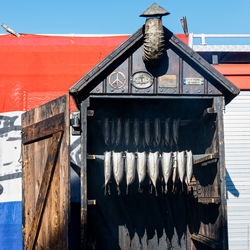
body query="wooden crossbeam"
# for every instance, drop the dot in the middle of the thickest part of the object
(204, 158)
(206, 241)
(209, 200)
(43, 190)
(43, 129)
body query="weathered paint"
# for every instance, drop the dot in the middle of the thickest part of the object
(10, 181)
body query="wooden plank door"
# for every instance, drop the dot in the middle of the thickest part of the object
(46, 183)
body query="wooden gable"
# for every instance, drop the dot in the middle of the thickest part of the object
(181, 72)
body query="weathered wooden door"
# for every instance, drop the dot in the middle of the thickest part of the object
(46, 190)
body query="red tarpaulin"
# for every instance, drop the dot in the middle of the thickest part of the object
(35, 69)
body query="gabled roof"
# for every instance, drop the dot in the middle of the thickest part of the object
(82, 88)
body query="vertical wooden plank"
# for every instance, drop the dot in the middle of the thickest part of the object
(130, 61)
(219, 107)
(27, 157)
(45, 235)
(180, 75)
(64, 180)
(38, 169)
(84, 106)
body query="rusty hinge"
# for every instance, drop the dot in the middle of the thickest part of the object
(91, 112)
(75, 122)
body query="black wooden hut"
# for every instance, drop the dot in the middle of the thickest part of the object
(151, 94)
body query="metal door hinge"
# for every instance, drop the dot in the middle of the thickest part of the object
(75, 122)
(91, 112)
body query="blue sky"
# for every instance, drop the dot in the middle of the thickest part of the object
(122, 17)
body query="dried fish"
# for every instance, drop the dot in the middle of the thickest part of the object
(130, 168)
(181, 165)
(167, 132)
(112, 132)
(166, 163)
(157, 132)
(127, 131)
(106, 131)
(153, 168)
(117, 168)
(107, 169)
(175, 155)
(176, 124)
(141, 167)
(189, 167)
(118, 131)
(136, 132)
(147, 132)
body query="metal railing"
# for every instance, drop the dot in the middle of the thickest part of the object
(204, 36)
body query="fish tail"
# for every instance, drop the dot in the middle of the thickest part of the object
(105, 190)
(118, 190)
(109, 192)
(166, 188)
(173, 187)
(140, 189)
(127, 190)
(156, 193)
(151, 189)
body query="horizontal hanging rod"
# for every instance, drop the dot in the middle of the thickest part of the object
(197, 159)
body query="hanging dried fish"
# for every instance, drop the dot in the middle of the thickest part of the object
(181, 165)
(127, 131)
(166, 163)
(189, 166)
(136, 132)
(147, 132)
(112, 132)
(176, 124)
(107, 169)
(157, 132)
(153, 168)
(167, 132)
(175, 155)
(117, 168)
(141, 167)
(118, 131)
(106, 131)
(130, 168)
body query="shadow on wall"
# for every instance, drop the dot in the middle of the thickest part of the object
(230, 186)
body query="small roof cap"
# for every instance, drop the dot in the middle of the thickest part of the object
(154, 10)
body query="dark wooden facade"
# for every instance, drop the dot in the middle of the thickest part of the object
(185, 87)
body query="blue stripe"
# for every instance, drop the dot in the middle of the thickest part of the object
(11, 225)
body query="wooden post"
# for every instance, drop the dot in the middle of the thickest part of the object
(219, 108)
(84, 202)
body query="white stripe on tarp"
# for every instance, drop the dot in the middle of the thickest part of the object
(11, 190)
(10, 143)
